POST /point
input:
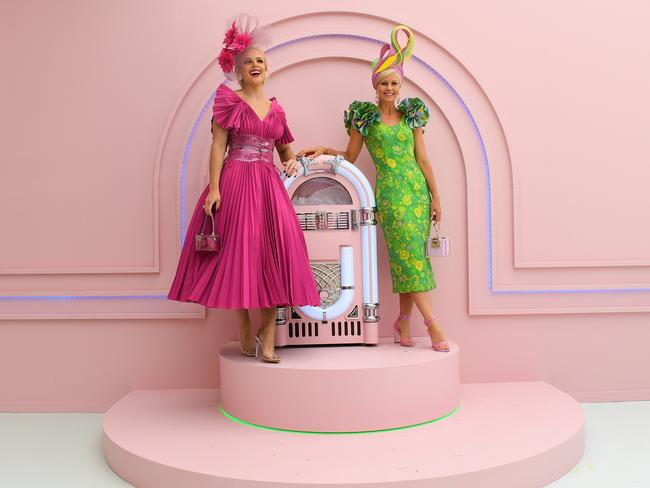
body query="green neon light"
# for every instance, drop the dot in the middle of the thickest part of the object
(307, 432)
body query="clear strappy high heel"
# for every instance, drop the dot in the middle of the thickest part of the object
(440, 346)
(266, 359)
(244, 352)
(397, 333)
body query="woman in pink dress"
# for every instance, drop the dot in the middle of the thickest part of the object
(263, 260)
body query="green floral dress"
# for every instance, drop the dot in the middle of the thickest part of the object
(402, 195)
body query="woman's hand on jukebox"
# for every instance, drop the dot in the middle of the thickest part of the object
(290, 166)
(312, 152)
(435, 212)
(212, 199)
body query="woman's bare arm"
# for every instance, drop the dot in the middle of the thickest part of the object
(351, 153)
(425, 166)
(217, 153)
(287, 158)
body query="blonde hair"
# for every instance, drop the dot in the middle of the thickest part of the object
(385, 73)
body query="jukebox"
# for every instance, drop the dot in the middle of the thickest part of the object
(335, 206)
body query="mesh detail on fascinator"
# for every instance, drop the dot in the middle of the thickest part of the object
(242, 31)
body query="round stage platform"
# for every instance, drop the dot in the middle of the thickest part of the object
(503, 435)
(342, 388)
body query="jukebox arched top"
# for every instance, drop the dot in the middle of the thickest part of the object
(321, 191)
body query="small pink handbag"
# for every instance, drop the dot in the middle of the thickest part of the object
(437, 246)
(208, 242)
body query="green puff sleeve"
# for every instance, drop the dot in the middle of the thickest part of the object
(415, 112)
(361, 116)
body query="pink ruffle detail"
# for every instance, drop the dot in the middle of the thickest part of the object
(227, 108)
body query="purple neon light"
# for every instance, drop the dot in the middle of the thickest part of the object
(186, 154)
(486, 167)
(83, 297)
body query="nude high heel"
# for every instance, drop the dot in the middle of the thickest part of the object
(244, 352)
(266, 359)
(440, 346)
(397, 333)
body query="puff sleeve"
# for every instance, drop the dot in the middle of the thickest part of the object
(361, 116)
(415, 112)
(226, 110)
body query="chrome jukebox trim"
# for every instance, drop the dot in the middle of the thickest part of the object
(280, 316)
(306, 163)
(334, 163)
(371, 312)
(367, 215)
(323, 220)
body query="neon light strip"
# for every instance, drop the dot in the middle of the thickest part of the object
(186, 154)
(84, 297)
(307, 432)
(485, 165)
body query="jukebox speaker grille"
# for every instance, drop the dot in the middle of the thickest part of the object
(328, 282)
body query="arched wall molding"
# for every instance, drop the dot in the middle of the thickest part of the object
(495, 284)
(477, 129)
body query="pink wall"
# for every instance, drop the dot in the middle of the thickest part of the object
(99, 101)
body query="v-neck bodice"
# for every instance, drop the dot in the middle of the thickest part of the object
(235, 114)
(268, 111)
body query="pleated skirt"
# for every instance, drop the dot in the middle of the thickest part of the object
(263, 261)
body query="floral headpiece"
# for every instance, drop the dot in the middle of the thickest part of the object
(393, 55)
(242, 33)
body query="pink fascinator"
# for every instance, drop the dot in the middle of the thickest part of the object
(243, 31)
(393, 55)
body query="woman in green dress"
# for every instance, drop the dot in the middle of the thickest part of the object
(406, 193)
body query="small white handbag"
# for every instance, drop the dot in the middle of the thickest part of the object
(438, 245)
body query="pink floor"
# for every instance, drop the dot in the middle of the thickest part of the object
(504, 435)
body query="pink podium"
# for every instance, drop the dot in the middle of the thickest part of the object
(344, 417)
(342, 389)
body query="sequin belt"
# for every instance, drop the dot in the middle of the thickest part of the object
(250, 148)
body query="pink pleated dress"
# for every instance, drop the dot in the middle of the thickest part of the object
(263, 262)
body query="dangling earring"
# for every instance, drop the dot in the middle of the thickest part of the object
(376, 98)
(398, 99)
